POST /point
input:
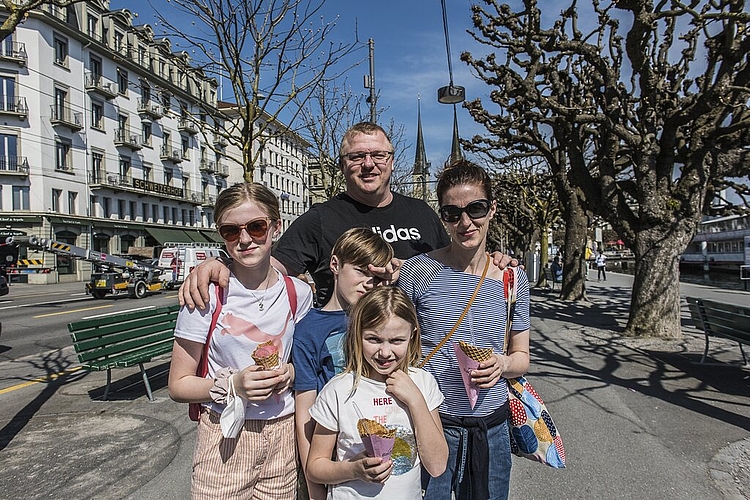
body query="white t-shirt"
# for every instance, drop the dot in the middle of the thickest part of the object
(241, 326)
(338, 410)
(601, 260)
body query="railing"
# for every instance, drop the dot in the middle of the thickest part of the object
(126, 139)
(146, 107)
(208, 201)
(15, 51)
(187, 125)
(207, 165)
(65, 116)
(14, 165)
(14, 106)
(96, 83)
(170, 154)
(221, 169)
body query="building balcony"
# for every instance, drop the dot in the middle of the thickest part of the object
(169, 154)
(150, 109)
(125, 139)
(15, 106)
(14, 165)
(222, 170)
(96, 84)
(187, 125)
(14, 51)
(208, 166)
(208, 201)
(219, 140)
(63, 115)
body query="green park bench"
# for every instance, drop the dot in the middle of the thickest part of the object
(719, 319)
(124, 339)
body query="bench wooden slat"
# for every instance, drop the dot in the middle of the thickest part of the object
(719, 319)
(124, 339)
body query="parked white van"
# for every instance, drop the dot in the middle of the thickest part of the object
(179, 259)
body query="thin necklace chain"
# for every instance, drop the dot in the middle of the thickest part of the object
(263, 296)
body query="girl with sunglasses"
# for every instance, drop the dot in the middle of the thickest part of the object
(260, 306)
(440, 283)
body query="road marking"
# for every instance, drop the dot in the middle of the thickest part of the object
(72, 311)
(39, 380)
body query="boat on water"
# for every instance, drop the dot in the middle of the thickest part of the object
(721, 244)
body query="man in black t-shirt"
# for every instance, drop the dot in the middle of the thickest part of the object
(366, 161)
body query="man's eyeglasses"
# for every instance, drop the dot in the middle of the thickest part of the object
(475, 210)
(378, 157)
(256, 228)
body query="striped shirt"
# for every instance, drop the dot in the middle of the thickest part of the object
(440, 294)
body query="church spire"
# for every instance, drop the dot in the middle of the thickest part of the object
(456, 153)
(421, 171)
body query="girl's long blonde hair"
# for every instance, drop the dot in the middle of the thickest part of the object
(372, 311)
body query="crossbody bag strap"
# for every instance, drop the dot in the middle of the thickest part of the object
(291, 293)
(511, 287)
(460, 318)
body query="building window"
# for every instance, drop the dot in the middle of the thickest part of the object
(95, 65)
(61, 104)
(92, 206)
(72, 202)
(145, 91)
(61, 51)
(8, 152)
(97, 115)
(121, 209)
(122, 81)
(62, 155)
(146, 132)
(124, 170)
(20, 198)
(185, 146)
(184, 216)
(97, 167)
(165, 214)
(93, 26)
(144, 211)
(107, 207)
(174, 215)
(147, 172)
(166, 100)
(132, 209)
(7, 93)
(155, 212)
(168, 176)
(56, 195)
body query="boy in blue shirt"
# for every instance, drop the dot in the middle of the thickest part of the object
(318, 348)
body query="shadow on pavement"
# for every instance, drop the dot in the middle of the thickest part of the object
(131, 387)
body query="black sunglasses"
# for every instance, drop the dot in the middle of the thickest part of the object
(256, 228)
(475, 210)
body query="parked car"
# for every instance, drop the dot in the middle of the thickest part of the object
(4, 288)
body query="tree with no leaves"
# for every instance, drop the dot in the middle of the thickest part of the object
(273, 53)
(17, 11)
(648, 107)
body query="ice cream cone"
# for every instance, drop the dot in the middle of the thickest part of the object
(476, 353)
(377, 438)
(266, 355)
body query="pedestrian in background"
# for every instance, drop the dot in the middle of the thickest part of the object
(601, 266)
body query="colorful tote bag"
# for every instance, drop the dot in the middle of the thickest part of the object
(533, 434)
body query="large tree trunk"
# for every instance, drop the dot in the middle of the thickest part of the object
(655, 302)
(574, 260)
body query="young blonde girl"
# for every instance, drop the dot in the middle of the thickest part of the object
(256, 308)
(379, 383)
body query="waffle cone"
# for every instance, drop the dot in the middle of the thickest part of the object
(367, 427)
(267, 361)
(476, 353)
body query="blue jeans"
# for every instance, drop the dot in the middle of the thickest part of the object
(440, 488)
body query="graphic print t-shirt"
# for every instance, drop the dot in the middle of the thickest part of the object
(338, 410)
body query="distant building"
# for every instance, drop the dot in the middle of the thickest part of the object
(108, 139)
(721, 243)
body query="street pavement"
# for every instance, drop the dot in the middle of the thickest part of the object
(640, 418)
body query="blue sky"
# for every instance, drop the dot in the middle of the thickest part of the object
(410, 61)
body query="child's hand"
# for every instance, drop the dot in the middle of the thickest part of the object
(372, 470)
(256, 384)
(286, 374)
(488, 372)
(400, 385)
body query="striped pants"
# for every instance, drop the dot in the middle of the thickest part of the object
(260, 464)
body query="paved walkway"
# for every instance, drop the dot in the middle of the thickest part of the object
(639, 418)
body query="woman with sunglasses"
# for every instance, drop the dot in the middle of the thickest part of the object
(259, 307)
(441, 283)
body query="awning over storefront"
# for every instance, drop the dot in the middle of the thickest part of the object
(197, 237)
(212, 236)
(172, 235)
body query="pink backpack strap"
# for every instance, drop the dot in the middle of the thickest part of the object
(291, 292)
